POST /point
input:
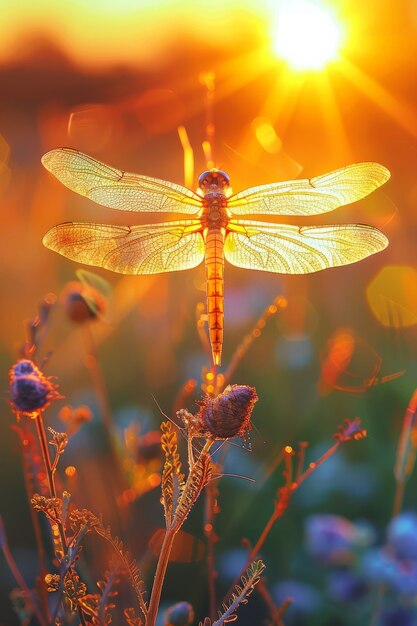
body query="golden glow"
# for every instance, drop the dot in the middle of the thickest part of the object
(392, 296)
(307, 34)
(188, 157)
(266, 135)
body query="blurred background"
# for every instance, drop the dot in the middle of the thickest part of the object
(142, 85)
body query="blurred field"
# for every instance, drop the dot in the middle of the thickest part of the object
(117, 84)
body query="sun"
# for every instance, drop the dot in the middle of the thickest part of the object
(306, 34)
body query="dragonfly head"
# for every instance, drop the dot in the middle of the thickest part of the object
(214, 181)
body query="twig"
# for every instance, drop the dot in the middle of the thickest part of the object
(211, 507)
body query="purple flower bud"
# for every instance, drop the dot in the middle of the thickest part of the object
(346, 586)
(24, 367)
(30, 390)
(82, 302)
(223, 417)
(329, 538)
(180, 614)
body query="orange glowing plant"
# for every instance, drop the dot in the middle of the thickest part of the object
(214, 232)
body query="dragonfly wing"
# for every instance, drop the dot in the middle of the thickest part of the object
(117, 189)
(289, 249)
(151, 249)
(311, 196)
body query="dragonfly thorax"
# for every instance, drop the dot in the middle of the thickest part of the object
(214, 181)
(215, 213)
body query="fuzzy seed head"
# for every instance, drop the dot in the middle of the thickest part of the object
(226, 416)
(30, 389)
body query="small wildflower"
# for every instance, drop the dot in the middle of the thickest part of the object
(379, 565)
(52, 582)
(402, 535)
(351, 429)
(59, 440)
(30, 389)
(330, 538)
(47, 505)
(180, 614)
(82, 302)
(225, 416)
(79, 518)
(346, 586)
(74, 588)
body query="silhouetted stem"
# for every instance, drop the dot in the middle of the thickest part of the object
(398, 497)
(280, 508)
(27, 475)
(211, 497)
(159, 576)
(49, 472)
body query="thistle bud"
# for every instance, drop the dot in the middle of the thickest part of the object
(225, 416)
(30, 389)
(180, 614)
(82, 303)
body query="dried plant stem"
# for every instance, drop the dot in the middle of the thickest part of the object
(285, 495)
(275, 612)
(49, 472)
(29, 486)
(398, 497)
(160, 575)
(184, 506)
(379, 599)
(211, 494)
(21, 582)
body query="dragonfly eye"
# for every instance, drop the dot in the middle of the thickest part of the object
(214, 180)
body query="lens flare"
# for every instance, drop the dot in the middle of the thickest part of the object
(307, 34)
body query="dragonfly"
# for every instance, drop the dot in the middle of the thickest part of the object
(217, 226)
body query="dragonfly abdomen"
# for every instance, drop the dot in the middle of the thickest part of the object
(214, 259)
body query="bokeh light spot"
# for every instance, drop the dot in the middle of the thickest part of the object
(392, 296)
(266, 135)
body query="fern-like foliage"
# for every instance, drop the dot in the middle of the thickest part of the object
(199, 476)
(127, 562)
(240, 596)
(172, 477)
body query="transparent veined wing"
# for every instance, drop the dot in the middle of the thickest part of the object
(149, 249)
(289, 249)
(116, 189)
(311, 196)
